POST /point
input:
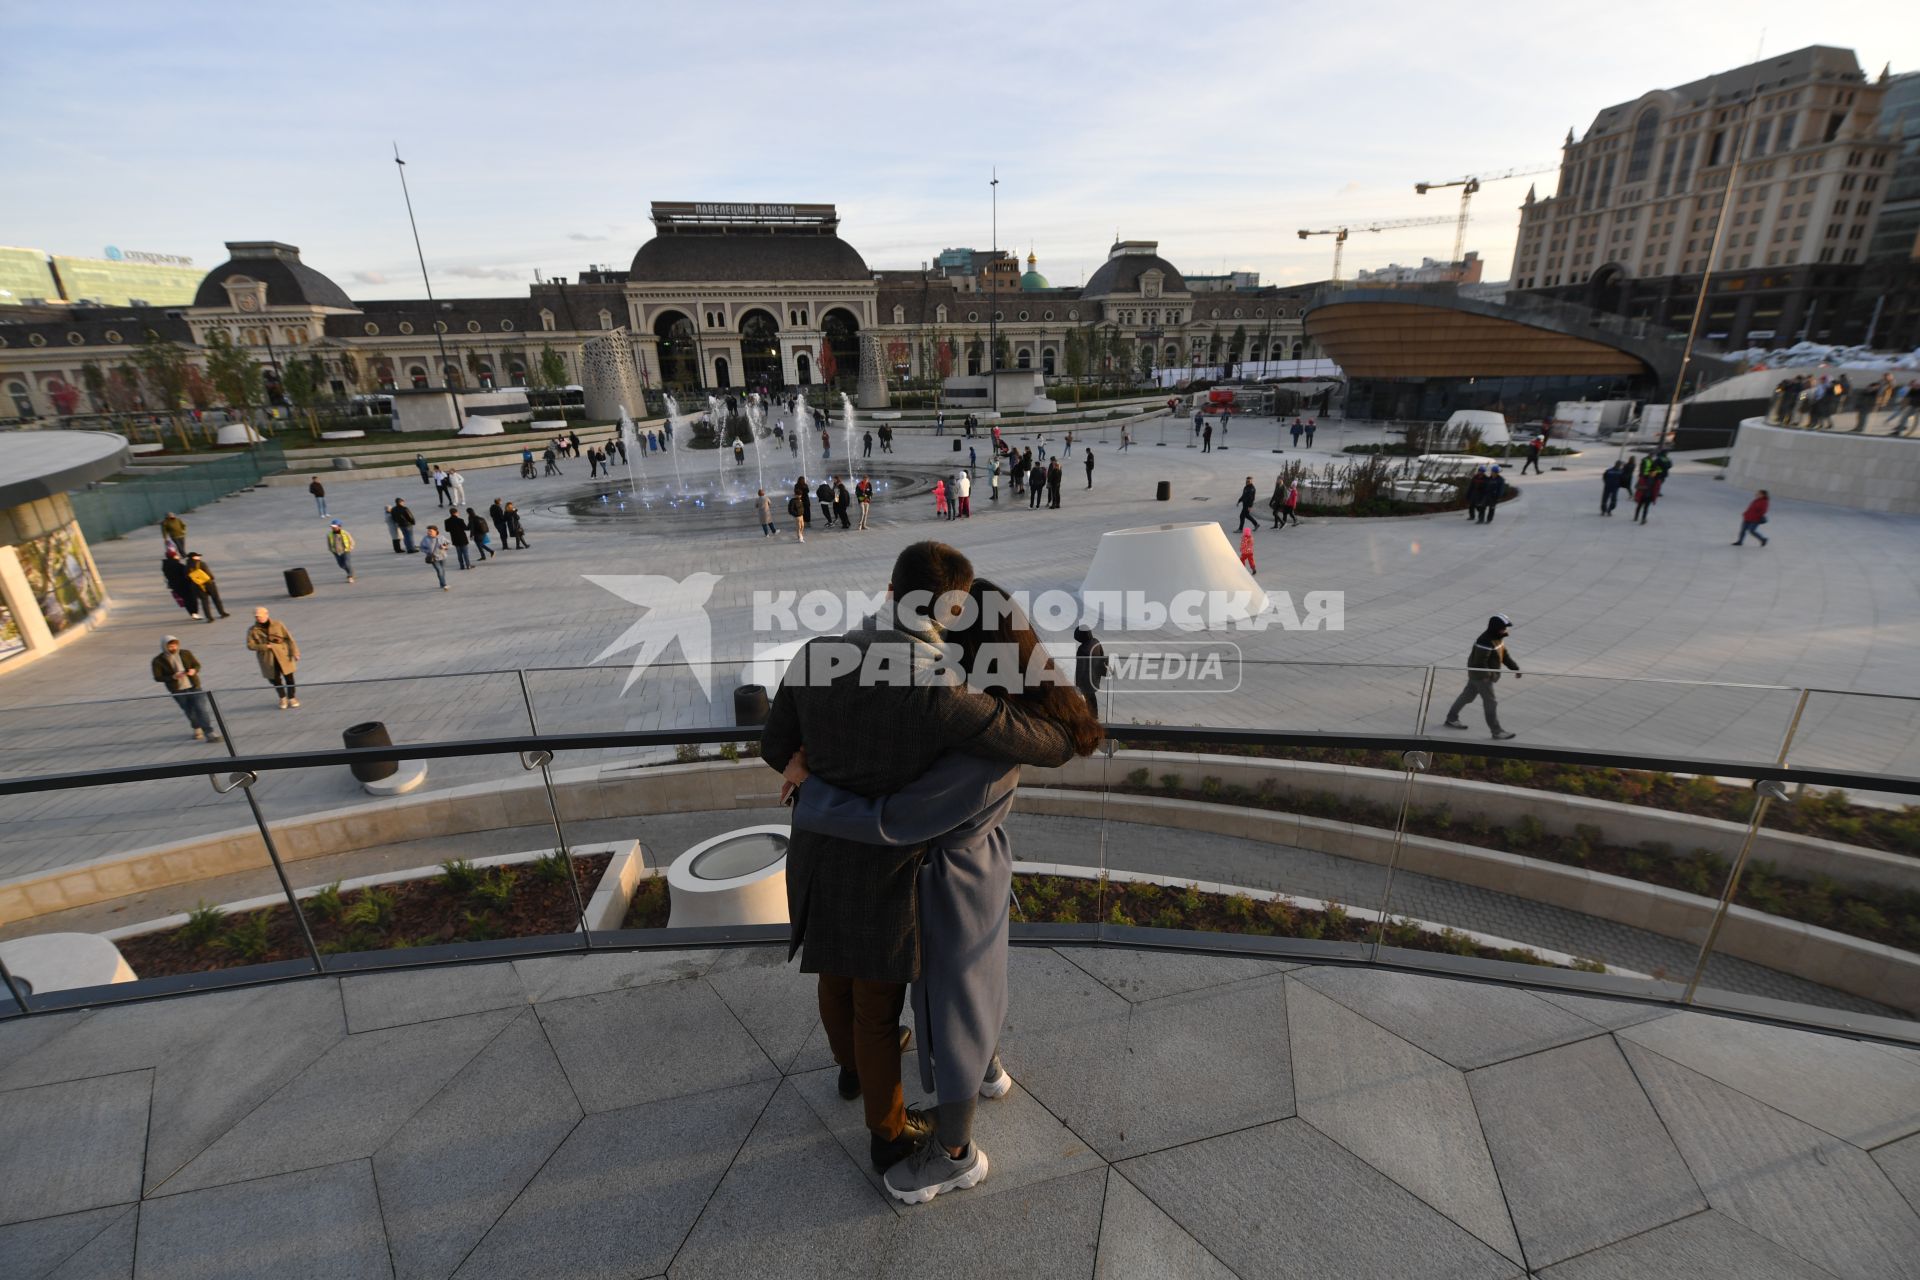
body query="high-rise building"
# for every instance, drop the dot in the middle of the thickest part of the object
(1890, 285)
(1430, 271)
(1633, 221)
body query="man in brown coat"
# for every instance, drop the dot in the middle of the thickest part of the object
(874, 709)
(278, 653)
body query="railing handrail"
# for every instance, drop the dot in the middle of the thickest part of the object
(627, 738)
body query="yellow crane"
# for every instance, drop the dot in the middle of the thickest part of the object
(1470, 184)
(1341, 233)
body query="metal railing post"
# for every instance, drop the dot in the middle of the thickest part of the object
(1767, 790)
(245, 781)
(541, 760)
(1415, 762)
(13, 988)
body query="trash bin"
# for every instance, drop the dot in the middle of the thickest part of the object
(298, 583)
(370, 733)
(956, 446)
(1164, 493)
(750, 704)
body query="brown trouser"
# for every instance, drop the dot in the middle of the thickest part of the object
(862, 1021)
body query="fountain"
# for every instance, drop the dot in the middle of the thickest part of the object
(673, 415)
(756, 427)
(847, 424)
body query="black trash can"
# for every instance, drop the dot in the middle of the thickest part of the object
(298, 583)
(750, 704)
(370, 733)
(956, 446)
(1164, 493)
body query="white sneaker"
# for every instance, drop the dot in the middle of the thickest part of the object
(998, 1082)
(283, 704)
(930, 1170)
(293, 702)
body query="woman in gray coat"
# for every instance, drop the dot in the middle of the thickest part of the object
(965, 884)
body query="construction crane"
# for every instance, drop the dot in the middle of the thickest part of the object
(1340, 234)
(1470, 184)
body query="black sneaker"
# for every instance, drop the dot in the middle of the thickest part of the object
(849, 1081)
(916, 1134)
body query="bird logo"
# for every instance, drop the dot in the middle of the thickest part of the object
(673, 608)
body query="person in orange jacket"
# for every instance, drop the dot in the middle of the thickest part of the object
(1752, 518)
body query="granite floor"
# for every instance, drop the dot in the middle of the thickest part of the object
(673, 1114)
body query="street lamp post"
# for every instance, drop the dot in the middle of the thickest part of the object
(439, 335)
(993, 297)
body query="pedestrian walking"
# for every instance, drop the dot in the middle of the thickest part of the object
(1616, 477)
(940, 499)
(457, 486)
(863, 494)
(499, 515)
(973, 460)
(1752, 518)
(425, 468)
(278, 652)
(1297, 429)
(200, 574)
(1126, 440)
(340, 543)
(1036, 486)
(1484, 660)
(1277, 501)
(457, 535)
(1089, 666)
(482, 536)
(866, 444)
(551, 458)
(1246, 550)
(1290, 514)
(393, 530)
(1476, 494)
(825, 494)
(842, 502)
(826, 444)
(1198, 419)
(763, 507)
(1533, 454)
(319, 493)
(1310, 426)
(1646, 492)
(1496, 490)
(797, 508)
(939, 423)
(173, 529)
(1053, 485)
(963, 492)
(1206, 439)
(179, 671)
(1248, 496)
(1909, 410)
(1089, 466)
(439, 487)
(185, 593)
(434, 548)
(513, 526)
(403, 517)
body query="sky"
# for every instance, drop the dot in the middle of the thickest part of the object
(536, 135)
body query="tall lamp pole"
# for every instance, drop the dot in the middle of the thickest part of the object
(993, 303)
(439, 334)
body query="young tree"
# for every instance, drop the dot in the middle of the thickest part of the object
(1236, 344)
(163, 366)
(95, 381)
(233, 373)
(829, 363)
(553, 369)
(1145, 353)
(1076, 360)
(349, 370)
(1001, 357)
(65, 397)
(123, 388)
(199, 390)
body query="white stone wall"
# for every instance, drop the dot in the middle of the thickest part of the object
(1866, 473)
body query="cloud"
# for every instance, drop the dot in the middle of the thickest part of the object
(369, 277)
(1350, 189)
(486, 273)
(581, 235)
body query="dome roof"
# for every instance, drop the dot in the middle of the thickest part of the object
(290, 282)
(1126, 262)
(1033, 280)
(697, 256)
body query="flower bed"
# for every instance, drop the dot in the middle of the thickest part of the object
(1826, 815)
(463, 903)
(1886, 916)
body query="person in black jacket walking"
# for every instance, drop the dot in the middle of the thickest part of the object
(403, 519)
(179, 670)
(184, 591)
(457, 535)
(1248, 496)
(1488, 655)
(1089, 666)
(499, 514)
(200, 573)
(1490, 498)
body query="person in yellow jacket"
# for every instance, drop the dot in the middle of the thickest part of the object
(340, 542)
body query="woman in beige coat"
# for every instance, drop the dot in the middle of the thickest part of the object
(279, 654)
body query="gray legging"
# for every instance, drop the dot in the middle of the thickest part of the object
(1477, 687)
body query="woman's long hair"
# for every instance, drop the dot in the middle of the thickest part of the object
(999, 644)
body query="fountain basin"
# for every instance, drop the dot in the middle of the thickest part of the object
(1423, 491)
(1325, 493)
(1449, 464)
(736, 878)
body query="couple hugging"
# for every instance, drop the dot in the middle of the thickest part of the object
(898, 869)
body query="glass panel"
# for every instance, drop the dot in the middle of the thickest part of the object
(1831, 890)
(122, 894)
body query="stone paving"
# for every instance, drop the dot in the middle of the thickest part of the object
(1599, 603)
(673, 1114)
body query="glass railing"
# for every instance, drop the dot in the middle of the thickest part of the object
(1743, 848)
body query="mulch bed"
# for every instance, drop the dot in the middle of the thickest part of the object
(461, 904)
